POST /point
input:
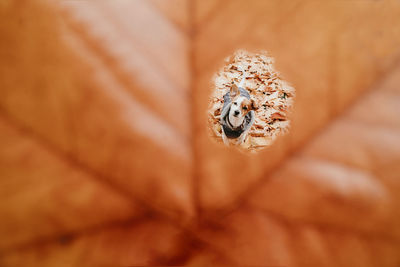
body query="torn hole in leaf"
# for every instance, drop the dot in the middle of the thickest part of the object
(273, 98)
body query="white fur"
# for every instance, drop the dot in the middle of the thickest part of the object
(224, 138)
(240, 140)
(236, 120)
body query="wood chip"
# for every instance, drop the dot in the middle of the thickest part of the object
(278, 116)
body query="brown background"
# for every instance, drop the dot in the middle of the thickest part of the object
(104, 153)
